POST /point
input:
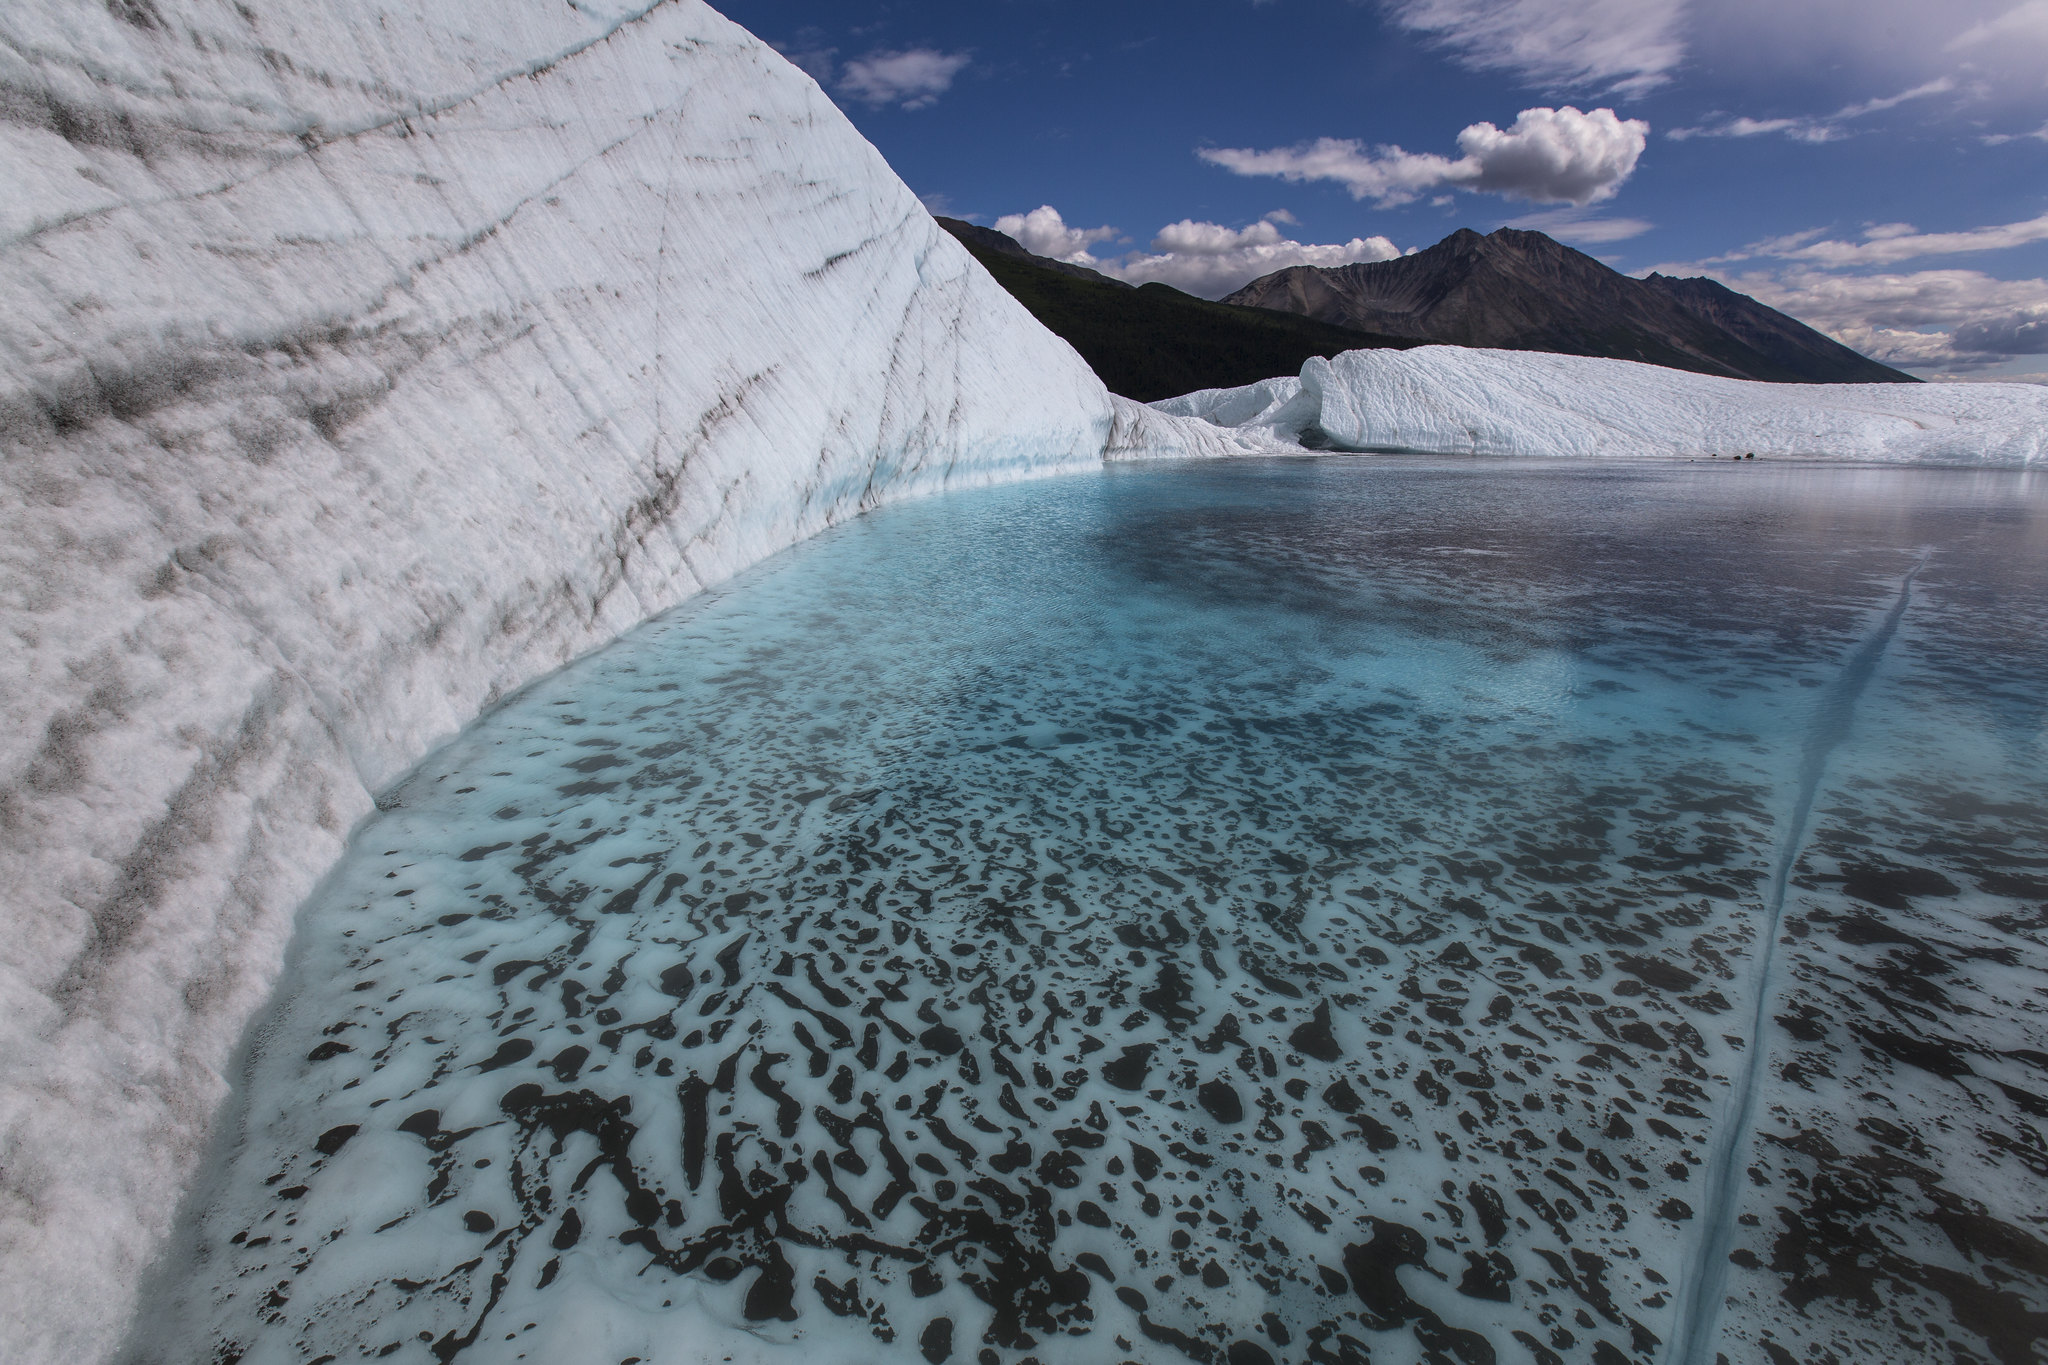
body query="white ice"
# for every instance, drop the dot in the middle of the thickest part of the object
(360, 363)
(1450, 400)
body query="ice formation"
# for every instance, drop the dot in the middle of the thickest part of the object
(362, 363)
(1259, 913)
(1451, 400)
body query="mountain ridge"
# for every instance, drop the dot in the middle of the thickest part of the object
(1520, 290)
(1154, 341)
(974, 236)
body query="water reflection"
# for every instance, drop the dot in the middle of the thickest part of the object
(1307, 910)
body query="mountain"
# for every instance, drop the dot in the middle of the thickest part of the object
(1522, 291)
(1154, 341)
(979, 239)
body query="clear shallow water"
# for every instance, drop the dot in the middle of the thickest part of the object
(1321, 910)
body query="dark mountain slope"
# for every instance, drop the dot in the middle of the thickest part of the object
(1522, 291)
(1784, 340)
(1154, 341)
(979, 239)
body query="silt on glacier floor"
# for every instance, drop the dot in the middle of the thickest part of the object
(1297, 910)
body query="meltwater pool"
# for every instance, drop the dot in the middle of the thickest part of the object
(1325, 910)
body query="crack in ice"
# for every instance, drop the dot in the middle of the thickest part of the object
(1832, 719)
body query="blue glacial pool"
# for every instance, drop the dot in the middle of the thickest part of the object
(1318, 910)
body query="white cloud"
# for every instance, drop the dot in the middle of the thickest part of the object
(1548, 156)
(1890, 243)
(1991, 49)
(1826, 128)
(1206, 259)
(2020, 333)
(1627, 46)
(2000, 139)
(1210, 260)
(1917, 299)
(914, 79)
(1941, 85)
(1573, 225)
(1925, 319)
(1042, 232)
(2024, 23)
(1630, 46)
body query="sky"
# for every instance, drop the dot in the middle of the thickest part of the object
(1876, 168)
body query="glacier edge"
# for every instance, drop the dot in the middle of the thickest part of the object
(361, 365)
(1454, 400)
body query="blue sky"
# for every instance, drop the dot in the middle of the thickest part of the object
(1875, 167)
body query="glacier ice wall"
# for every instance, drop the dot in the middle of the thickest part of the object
(358, 364)
(1139, 431)
(1452, 400)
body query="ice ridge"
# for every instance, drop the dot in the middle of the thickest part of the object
(358, 365)
(1453, 400)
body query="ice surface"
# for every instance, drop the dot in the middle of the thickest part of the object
(358, 364)
(1453, 400)
(1264, 910)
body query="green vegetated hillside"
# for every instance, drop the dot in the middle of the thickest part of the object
(1155, 342)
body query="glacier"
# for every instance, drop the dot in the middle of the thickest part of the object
(1452, 400)
(359, 365)
(363, 364)
(1301, 911)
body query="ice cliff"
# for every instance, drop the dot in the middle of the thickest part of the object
(1455, 400)
(358, 364)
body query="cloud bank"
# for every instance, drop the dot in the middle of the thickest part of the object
(1948, 321)
(914, 79)
(1890, 243)
(1941, 320)
(1205, 259)
(1553, 156)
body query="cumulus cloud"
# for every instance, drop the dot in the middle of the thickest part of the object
(1206, 259)
(1043, 232)
(1211, 260)
(1923, 320)
(1547, 156)
(914, 79)
(1626, 46)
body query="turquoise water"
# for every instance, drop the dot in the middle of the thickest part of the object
(1318, 910)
